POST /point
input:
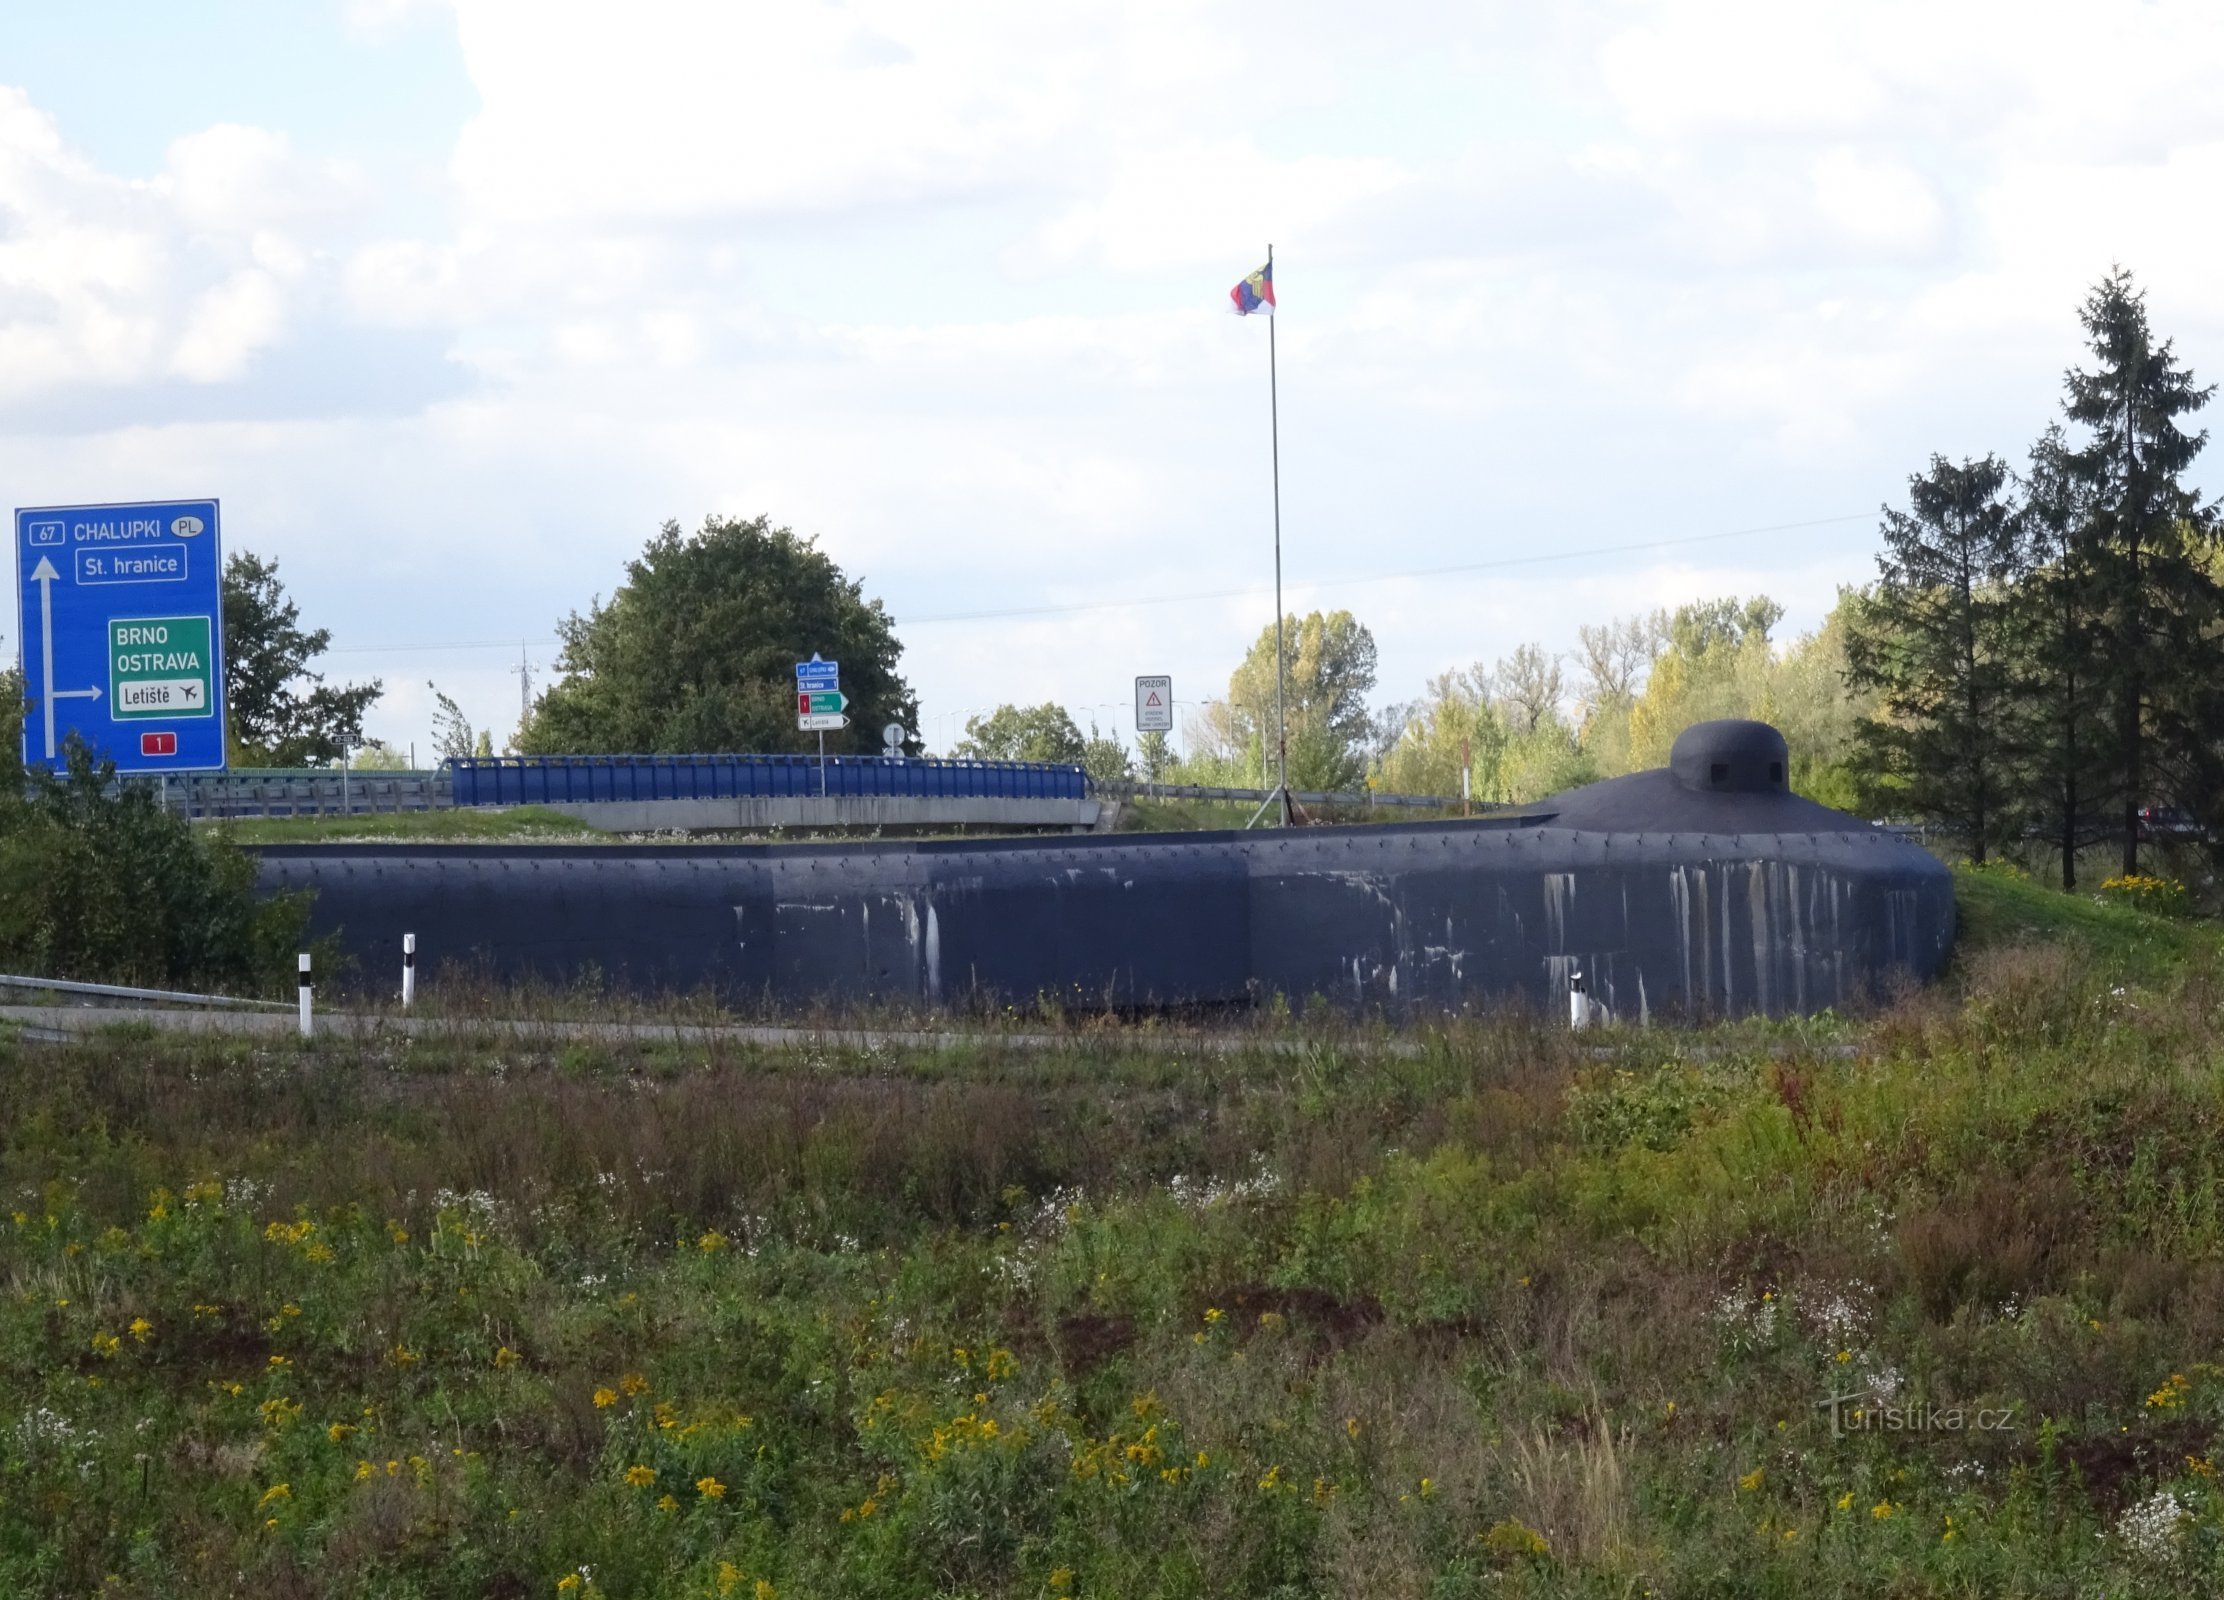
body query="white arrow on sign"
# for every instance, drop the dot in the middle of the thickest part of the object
(45, 577)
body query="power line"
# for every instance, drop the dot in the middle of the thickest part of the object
(1347, 580)
(1339, 580)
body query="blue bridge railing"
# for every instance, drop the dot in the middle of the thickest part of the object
(544, 780)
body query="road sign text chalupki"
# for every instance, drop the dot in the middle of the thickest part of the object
(122, 622)
(820, 704)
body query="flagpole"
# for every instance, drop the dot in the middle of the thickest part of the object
(1274, 435)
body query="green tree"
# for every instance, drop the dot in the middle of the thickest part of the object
(1154, 755)
(1106, 758)
(376, 755)
(1613, 659)
(98, 882)
(697, 649)
(1528, 688)
(1330, 672)
(453, 738)
(2159, 603)
(1717, 663)
(281, 714)
(1937, 640)
(2060, 681)
(1452, 728)
(1023, 733)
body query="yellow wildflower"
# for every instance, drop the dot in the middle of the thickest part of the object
(728, 1576)
(1881, 1510)
(106, 1344)
(1752, 1480)
(1213, 1313)
(633, 1383)
(505, 1357)
(339, 1431)
(2171, 1395)
(605, 1398)
(277, 1491)
(280, 1363)
(141, 1329)
(1513, 1538)
(665, 1502)
(640, 1477)
(710, 1488)
(567, 1583)
(711, 1241)
(1845, 1501)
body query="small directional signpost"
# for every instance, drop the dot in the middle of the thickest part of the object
(122, 622)
(820, 703)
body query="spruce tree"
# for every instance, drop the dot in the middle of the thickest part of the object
(2158, 603)
(2059, 727)
(1935, 640)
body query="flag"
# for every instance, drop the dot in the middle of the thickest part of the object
(1255, 293)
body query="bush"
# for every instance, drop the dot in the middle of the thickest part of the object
(99, 883)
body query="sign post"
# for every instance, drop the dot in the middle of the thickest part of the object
(819, 703)
(1154, 708)
(122, 627)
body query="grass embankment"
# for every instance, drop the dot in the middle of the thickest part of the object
(1503, 1317)
(463, 825)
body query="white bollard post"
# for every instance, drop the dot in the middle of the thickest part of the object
(305, 1024)
(1579, 1004)
(409, 970)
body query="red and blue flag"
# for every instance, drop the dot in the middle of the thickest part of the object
(1255, 293)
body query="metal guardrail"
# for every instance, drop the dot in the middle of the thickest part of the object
(118, 991)
(561, 780)
(1355, 798)
(304, 792)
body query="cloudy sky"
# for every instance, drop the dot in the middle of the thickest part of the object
(453, 302)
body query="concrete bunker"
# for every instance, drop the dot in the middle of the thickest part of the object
(1703, 888)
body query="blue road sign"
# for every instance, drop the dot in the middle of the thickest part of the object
(121, 628)
(817, 677)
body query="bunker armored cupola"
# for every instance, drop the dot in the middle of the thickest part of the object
(1732, 756)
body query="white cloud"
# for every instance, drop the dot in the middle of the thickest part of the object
(227, 325)
(1878, 204)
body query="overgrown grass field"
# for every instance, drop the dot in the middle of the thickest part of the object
(1502, 1311)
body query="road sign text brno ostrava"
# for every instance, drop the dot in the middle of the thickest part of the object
(819, 701)
(122, 630)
